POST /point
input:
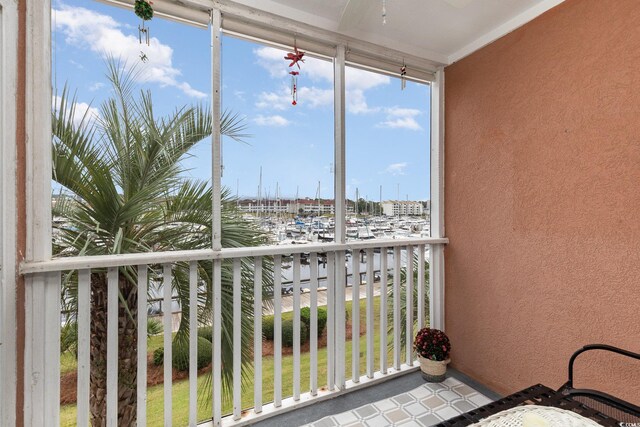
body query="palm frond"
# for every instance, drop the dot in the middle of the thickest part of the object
(124, 192)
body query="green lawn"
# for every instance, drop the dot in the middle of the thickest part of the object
(180, 391)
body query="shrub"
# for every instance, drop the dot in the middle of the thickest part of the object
(287, 333)
(180, 356)
(158, 356)
(206, 333)
(154, 327)
(322, 320)
(305, 317)
(267, 327)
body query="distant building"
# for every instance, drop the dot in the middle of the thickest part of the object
(287, 206)
(396, 207)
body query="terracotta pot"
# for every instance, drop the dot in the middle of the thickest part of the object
(433, 371)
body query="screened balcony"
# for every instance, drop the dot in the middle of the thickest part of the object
(541, 161)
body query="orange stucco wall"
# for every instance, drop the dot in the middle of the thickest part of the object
(542, 176)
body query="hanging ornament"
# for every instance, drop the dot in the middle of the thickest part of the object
(384, 12)
(296, 57)
(294, 87)
(403, 76)
(144, 11)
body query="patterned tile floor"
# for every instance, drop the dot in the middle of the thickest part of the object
(426, 405)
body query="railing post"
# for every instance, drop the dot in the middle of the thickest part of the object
(331, 321)
(339, 313)
(42, 350)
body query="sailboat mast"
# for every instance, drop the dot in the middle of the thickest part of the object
(260, 191)
(357, 200)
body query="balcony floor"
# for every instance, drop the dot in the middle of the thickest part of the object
(407, 400)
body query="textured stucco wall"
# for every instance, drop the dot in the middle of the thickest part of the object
(542, 175)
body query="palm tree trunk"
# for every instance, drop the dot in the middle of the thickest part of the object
(98, 352)
(127, 351)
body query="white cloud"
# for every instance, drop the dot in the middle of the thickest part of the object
(96, 86)
(401, 123)
(396, 168)
(356, 103)
(76, 64)
(274, 121)
(311, 97)
(272, 60)
(401, 118)
(402, 112)
(321, 72)
(315, 97)
(103, 35)
(356, 78)
(272, 100)
(81, 110)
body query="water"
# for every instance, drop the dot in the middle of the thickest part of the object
(305, 274)
(305, 269)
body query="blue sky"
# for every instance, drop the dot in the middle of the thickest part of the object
(387, 129)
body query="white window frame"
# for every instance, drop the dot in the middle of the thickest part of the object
(43, 289)
(8, 209)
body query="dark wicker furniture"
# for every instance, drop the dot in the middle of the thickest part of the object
(534, 395)
(600, 407)
(625, 412)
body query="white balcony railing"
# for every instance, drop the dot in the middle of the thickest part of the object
(396, 258)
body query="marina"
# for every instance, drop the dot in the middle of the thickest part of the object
(300, 230)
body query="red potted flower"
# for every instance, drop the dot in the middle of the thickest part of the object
(433, 348)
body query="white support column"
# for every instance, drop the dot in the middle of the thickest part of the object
(339, 144)
(337, 262)
(42, 291)
(216, 149)
(436, 252)
(216, 206)
(8, 96)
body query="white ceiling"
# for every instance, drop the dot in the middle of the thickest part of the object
(439, 30)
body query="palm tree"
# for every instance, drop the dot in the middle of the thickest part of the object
(403, 303)
(124, 191)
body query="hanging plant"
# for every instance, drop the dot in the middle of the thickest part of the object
(143, 10)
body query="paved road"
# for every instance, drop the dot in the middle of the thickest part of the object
(287, 302)
(305, 298)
